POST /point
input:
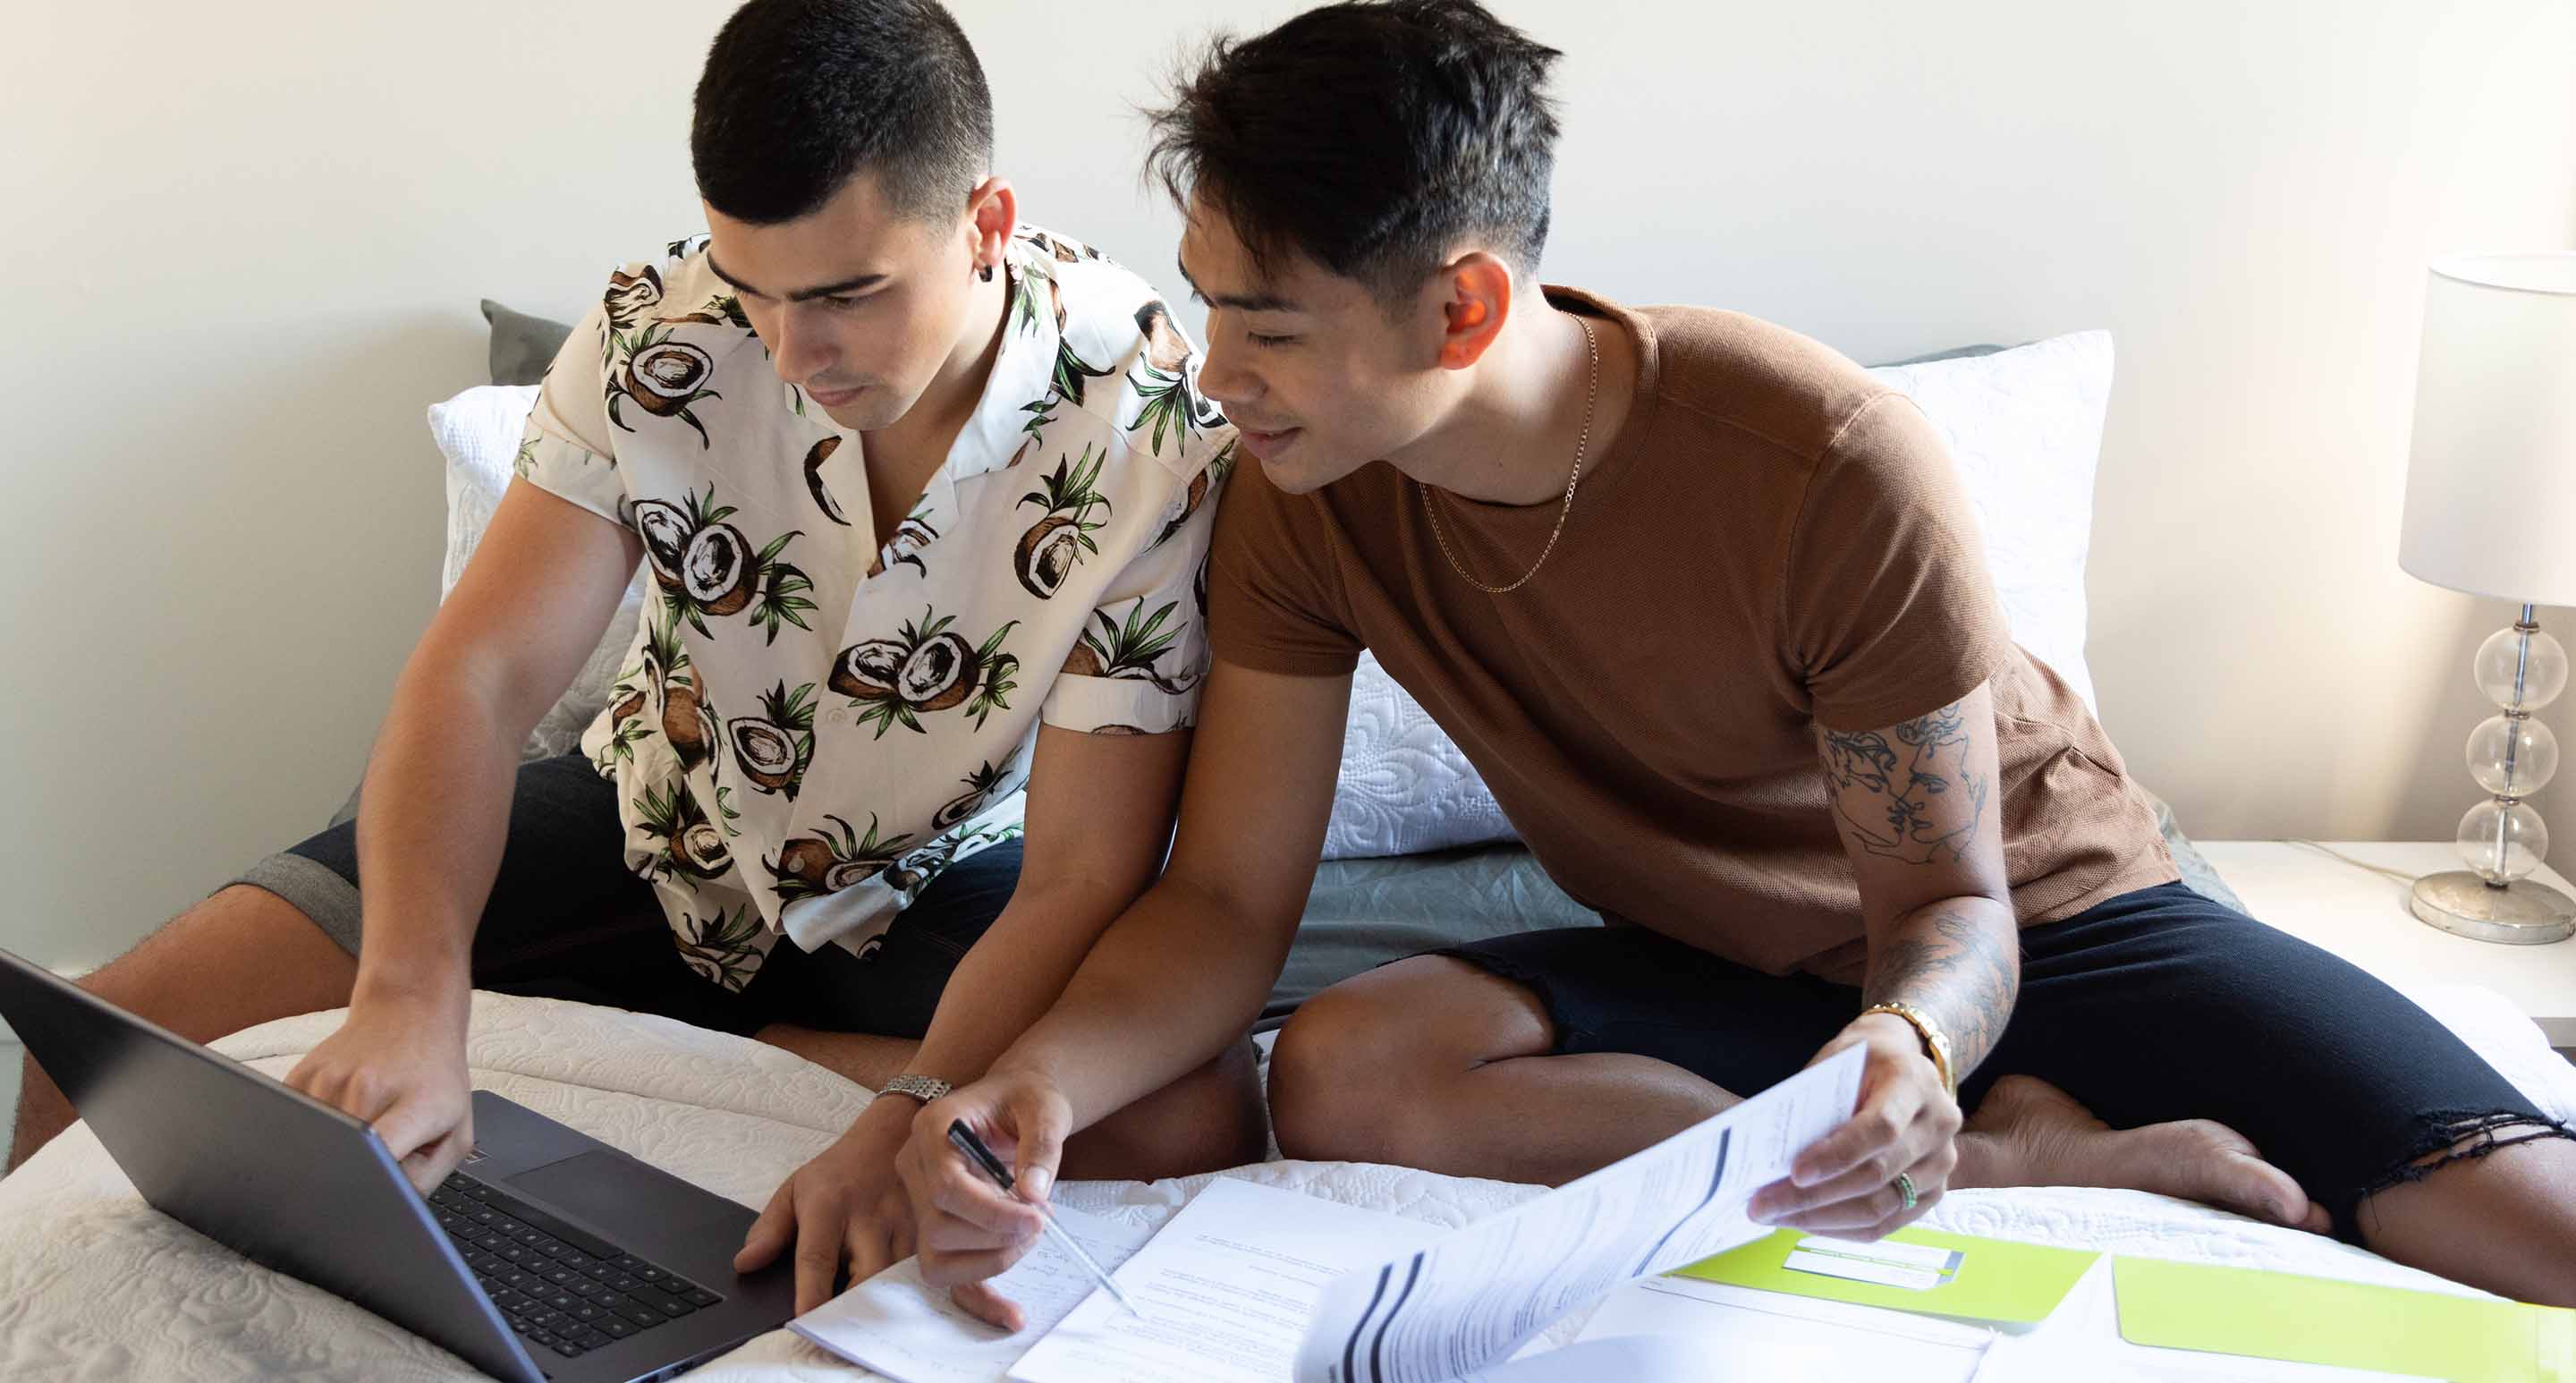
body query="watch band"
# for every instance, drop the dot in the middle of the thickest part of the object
(1936, 1045)
(922, 1088)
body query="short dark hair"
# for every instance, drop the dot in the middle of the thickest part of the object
(800, 95)
(1372, 135)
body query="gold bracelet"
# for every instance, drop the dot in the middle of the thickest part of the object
(1935, 1045)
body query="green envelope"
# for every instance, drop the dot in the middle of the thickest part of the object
(2316, 1320)
(1993, 1280)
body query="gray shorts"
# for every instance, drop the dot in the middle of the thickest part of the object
(567, 920)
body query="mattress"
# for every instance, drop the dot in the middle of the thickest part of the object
(94, 1284)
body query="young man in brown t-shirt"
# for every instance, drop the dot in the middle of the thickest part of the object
(1706, 607)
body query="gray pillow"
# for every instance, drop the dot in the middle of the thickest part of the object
(1365, 913)
(522, 346)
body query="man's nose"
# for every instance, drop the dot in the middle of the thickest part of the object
(799, 354)
(1223, 378)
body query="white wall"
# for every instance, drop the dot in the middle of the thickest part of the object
(247, 258)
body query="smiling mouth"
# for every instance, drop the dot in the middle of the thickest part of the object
(1264, 444)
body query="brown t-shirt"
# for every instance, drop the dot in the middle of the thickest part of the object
(1773, 541)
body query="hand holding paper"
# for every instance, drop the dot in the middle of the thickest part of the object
(1906, 1123)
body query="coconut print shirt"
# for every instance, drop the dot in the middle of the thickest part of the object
(816, 720)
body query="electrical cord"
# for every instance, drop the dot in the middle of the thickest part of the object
(2399, 875)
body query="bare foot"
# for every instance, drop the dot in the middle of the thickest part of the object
(2030, 1133)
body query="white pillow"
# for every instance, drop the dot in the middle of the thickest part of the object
(2024, 426)
(478, 432)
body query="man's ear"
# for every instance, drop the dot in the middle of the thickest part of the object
(1476, 299)
(992, 213)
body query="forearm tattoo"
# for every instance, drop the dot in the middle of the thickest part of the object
(1904, 782)
(1959, 960)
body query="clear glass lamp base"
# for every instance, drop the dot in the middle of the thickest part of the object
(2521, 913)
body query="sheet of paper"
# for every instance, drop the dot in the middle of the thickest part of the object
(896, 1325)
(2242, 1311)
(1225, 1290)
(1955, 1275)
(1624, 1358)
(2081, 1340)
(1769, 1335)
(1473, 1296)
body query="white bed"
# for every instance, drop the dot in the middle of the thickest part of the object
(96, 1285)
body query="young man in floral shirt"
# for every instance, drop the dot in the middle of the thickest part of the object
(1707, 607)
(925, 495)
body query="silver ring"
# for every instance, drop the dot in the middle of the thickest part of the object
(1905, 1188)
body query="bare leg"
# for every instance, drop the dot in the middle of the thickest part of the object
(1207, 1120)
(1434, 1063)
(2504, 1221)
(238, 959)
(863, 1057)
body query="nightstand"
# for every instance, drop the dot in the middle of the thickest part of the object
(2363, 917)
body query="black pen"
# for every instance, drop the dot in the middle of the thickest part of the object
(991, 1166)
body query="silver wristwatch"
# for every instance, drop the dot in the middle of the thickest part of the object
(922, 1088)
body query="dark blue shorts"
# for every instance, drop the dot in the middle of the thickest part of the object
(2153, 1006)
(566, 920)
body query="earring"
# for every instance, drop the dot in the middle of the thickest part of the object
(986, 273)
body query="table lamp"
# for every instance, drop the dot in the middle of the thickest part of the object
(2491, 510)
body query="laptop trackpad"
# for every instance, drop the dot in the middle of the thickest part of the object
(612, 1192)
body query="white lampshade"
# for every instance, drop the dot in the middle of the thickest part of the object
(2491, 479)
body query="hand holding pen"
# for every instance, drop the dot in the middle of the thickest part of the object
(983, 1160)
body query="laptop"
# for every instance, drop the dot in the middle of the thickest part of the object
(549, 1255)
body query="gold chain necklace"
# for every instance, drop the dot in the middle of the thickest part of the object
(1581, 445)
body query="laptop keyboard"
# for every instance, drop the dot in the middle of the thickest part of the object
(557, 1286)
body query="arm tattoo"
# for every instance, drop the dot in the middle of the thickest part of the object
(1929, 761)
(1959, 961)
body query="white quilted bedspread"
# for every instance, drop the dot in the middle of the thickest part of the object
(96, 1285)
